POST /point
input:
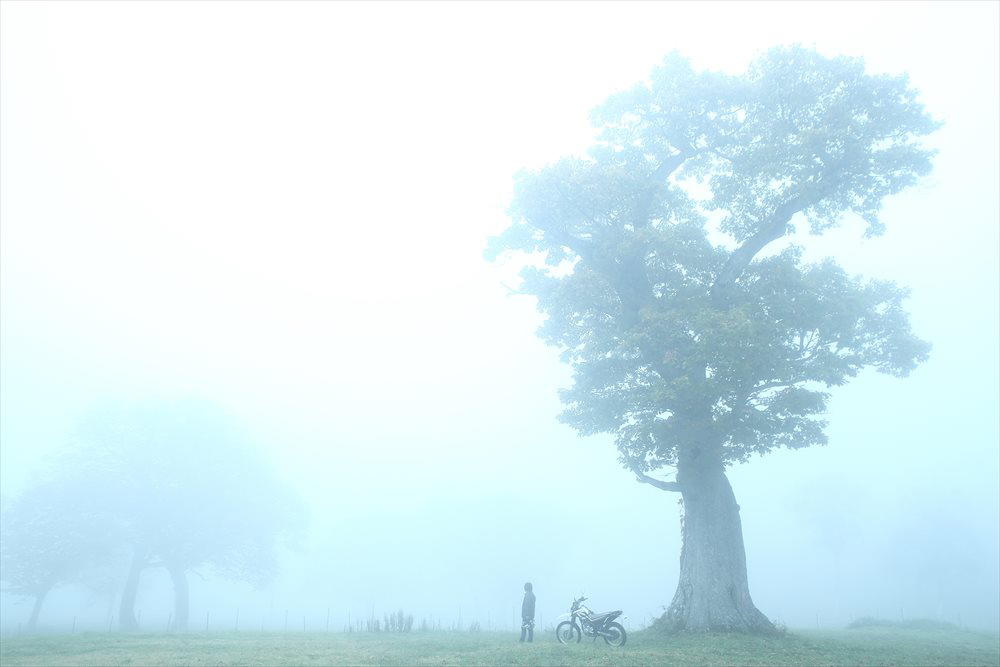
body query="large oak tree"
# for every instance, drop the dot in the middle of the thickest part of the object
(697, 337)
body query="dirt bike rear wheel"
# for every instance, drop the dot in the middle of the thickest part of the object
(616, 636)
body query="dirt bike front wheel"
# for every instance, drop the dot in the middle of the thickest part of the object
(616, 634)
(567, 632)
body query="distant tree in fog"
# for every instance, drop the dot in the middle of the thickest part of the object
(48, 538)
(186, 489)
(171, 484)
(697, 337)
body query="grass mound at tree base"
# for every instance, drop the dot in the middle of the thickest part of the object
(862, 646)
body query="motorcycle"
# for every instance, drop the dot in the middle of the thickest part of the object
(582, 621)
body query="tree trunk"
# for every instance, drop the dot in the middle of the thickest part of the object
(126, 612)
(36, 609)
(712, 593)
(179, 577)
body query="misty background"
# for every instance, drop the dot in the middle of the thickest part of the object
(281, 209)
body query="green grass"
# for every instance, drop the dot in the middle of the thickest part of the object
(863, 646)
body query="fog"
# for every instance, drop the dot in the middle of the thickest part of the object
(280, 211)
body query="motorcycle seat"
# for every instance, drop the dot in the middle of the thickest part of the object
(604, 615)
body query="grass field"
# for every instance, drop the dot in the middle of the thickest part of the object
(865, 646)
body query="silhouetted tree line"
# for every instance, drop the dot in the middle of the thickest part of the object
(175, 485)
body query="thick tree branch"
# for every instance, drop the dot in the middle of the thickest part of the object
(627, 278)
(626, 283)
(658, 483)
(814, 191)
(756, 389)
(772, 231)
(662, 173)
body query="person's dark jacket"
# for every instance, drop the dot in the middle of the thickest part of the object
(528, 606)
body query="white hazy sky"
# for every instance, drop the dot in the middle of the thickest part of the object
(282, 207)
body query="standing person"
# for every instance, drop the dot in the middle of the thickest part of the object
(528, 614)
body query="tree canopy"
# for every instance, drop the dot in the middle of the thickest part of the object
(182, 480)
(683, 334)
(51, 539)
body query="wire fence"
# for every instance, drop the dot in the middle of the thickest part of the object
(237, 620)
(288, 621)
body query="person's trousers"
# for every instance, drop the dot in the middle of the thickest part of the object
(528, 628)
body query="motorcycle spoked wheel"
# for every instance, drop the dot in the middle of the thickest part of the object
(567, 632)
(616, 635)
